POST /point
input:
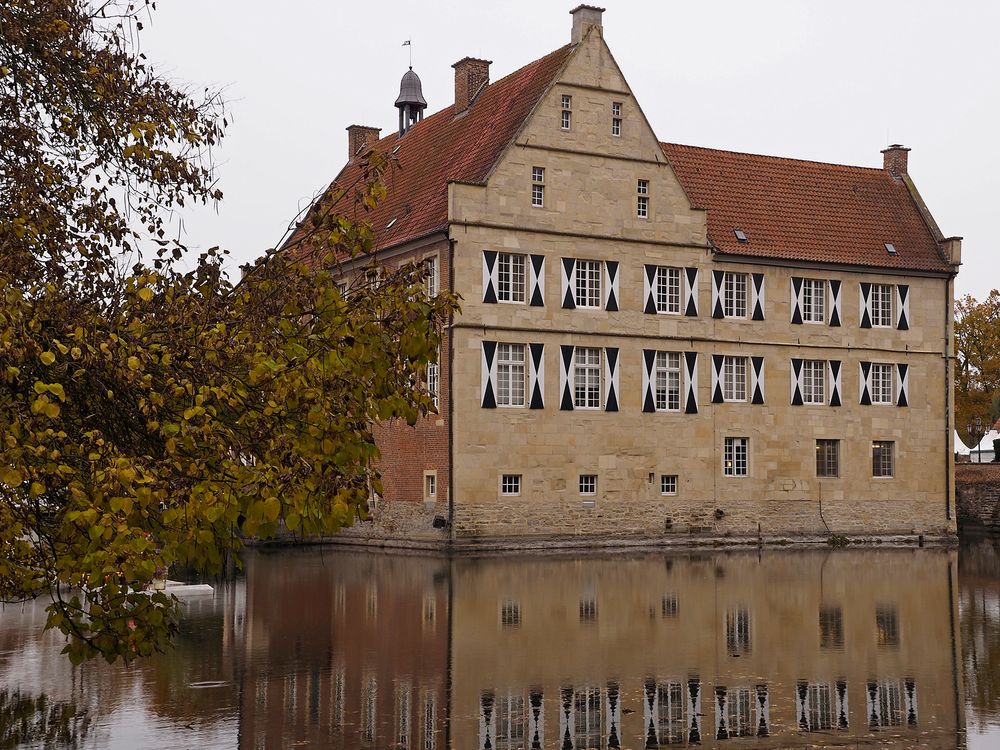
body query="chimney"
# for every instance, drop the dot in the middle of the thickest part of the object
(359, 139)
(894, 160)
(471, 75)
(585, 17)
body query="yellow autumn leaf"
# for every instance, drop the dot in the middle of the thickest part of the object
(133, 363)
(145, 294)
(47, 358)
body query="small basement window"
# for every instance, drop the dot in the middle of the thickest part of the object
(668, 484)
(588, 484)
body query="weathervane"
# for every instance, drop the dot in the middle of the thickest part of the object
(408, 44)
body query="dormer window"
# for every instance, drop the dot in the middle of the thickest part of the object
(567, 112)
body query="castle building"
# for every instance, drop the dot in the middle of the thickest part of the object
(658, 339)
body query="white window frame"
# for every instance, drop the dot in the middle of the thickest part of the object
(588, 485)
(814, 381)
(881, 391)
(735, 294)
(667, 290)
(813, 301)
(510, 485)
(512, 278)
(430, 485)
(881, 302)
(616, 119)
(566, 113)
(667, 381)
(432, 284)
(668, 484)
(735, 370)
(587, 378)
(587, 292)
(642, 201)
(434, 382)
(538, 187)
(512, 369)
(736, 457)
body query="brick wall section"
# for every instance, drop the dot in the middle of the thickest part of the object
(977, 488)
(407, 452)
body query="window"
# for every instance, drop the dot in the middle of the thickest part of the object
(734, 295)
(567, 114)
(734, 378)
(828, 458)
(887, 625)
(510, 484)
(667, 381)
(433, 382)
(588, 710)
(588, 609)
(538, 186)
(818, 707)
(814, 381)
(668, 607)
(668, 484)
(642, 207)
(510, 277)
(736, 458)
(668, 290)
(813, 301)
(831, 628)
(430, 485)
(881, 305)
(432, 282)
(588, 283)
(738, 717)
(616, 119)
(342, 289)
(881, 379)
(738, 641)
(510, 613)
(671, 724)
(510, 375)
(511, 723)
(588, 484)
(886, 710)
(587, 378)
(882, 458)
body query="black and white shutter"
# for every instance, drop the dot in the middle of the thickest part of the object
(648, 397)
(611, 388)
(865, 371)
(763, 711)
(536, 720)
(866, 304)
(691, 292)
(651, 714)
(487, 720)
(649, 289)
(757, 295)
(611, 285)
(567, 354)
(569, 283)
(903, 307)
(567, 720)
(694, 712)
(757, 380)
(613, 715)
(489, 375)
(840, 705)
(721, 713)
(833, 368)
(536, 280)
(796, 301)
(536, 376)
(902, 385)
(490, 267)
(910, 701)
(796, 382)
(717, 309)
(717, 397)
(690, 382)
(834, 299)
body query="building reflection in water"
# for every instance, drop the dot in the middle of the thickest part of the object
(334, 649)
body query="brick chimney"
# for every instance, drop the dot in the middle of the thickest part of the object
(471, 74)
(359, 139)
(585, 17)
(894, 160)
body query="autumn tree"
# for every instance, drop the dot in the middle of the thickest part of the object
(152, 412)
(977, 375)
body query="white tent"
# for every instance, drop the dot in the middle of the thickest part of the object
(984, 451)
(960, 448)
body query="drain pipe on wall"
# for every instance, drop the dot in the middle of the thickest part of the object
(948, 415)
(451, 403)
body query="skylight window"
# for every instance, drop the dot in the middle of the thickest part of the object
(389, 225)
(741, 236)
(890, 248)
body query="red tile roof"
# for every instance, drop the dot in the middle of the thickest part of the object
(805, 211)
(443, 148)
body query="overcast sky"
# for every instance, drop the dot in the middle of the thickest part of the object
(835, 81)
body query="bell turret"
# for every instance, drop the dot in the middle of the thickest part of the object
(410, 102)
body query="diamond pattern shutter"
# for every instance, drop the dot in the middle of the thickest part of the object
(757, 380)
(840, 705)
(796, 382)
(903, 307)
(717, 397)
(717, 310)
(902, 385)
(536, 376)
(487, 716)
(763, 711)
(569, 283)
(649, 289)
(866, 383)
(648, 399)
(691, 382)
(694, 712)
(566, 356)
(490, 276)
(613, 715)
(796, 301)
(910, 701)
(651, 714)
(757, 297)
(567, 720)
(536, 280)
(721, 713)
(866, 304)
(611, 378)
(536, 720)
(691, 292)
(834, 292)
(489, 375)
(611, 285)
(833, 370)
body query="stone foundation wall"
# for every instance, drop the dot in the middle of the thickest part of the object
(977, 488)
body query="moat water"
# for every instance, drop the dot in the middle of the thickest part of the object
(324, 648)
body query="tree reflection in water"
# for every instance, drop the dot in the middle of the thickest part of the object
(39, 722)
(979, 604)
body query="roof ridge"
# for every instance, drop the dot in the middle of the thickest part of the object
(665, 145)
